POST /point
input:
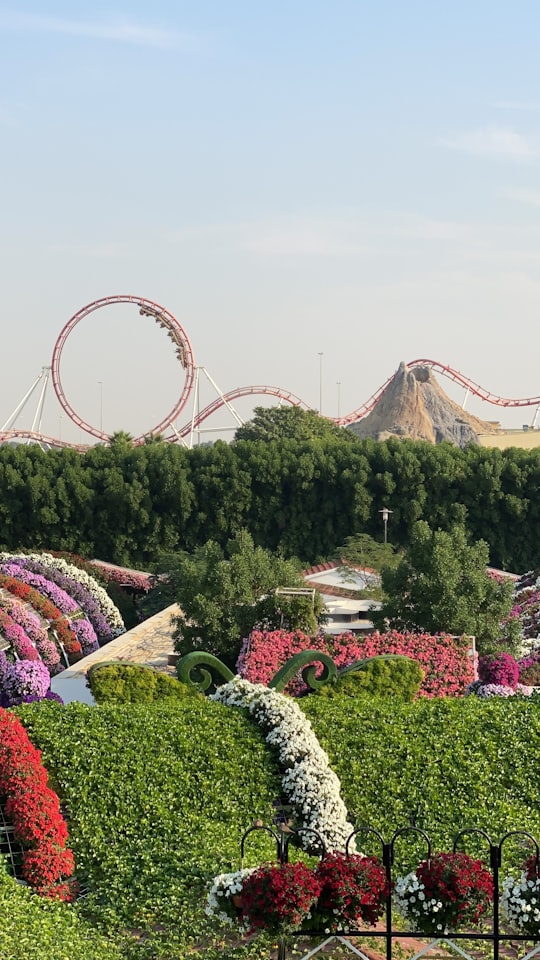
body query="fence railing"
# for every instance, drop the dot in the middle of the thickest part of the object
(386, 932)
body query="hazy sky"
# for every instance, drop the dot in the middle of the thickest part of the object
(289, 178)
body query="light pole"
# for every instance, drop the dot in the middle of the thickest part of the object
(338, 385)
(320, 381)
(100, 382)
(385, 514)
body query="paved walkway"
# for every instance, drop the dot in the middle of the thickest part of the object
(149, 643)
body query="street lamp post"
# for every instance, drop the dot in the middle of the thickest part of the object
(385, 514)
(320, 381)
(338, 385)
(100, 382)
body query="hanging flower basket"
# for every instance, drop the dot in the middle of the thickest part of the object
(224, 901)
(354, 889)
(279, 898)
(448, 891)
(520, 901)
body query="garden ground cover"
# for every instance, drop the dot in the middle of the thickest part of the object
(158, 796)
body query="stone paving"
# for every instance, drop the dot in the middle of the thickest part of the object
(149, 643)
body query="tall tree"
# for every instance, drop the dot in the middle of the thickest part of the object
(223, 597)
(290, 423)
(442, 585)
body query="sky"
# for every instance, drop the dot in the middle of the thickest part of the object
(316, 191)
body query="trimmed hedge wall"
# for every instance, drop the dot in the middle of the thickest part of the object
(448, 763)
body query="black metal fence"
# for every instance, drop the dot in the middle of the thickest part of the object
(386, 933)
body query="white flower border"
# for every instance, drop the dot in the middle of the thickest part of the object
(109, 610)
(226, 886)
(311, 787)
(520, 902)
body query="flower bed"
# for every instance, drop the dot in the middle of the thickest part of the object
(114, 625)
(339, 893)
(35, 630)
(17, 637)
(59, 623)
(448, 668)
(78, 591)
(520, 901)
(308, 783)
(34, 810)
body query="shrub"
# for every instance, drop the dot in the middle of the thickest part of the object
(385, 676)
(499, 668)
(134, 683)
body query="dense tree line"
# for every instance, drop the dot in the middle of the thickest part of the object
(303, 498)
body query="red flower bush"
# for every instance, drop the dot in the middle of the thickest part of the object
(34, 810)
(279, 898)
(448, 668)
(353, 888)
(456, 890)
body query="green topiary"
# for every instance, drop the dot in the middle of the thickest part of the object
(133, 683)
(390, 675)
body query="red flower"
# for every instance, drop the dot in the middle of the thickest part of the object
(353, 888)
(279, 898)
(34, 810)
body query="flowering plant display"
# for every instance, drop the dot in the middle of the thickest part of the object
(487, 690)
(446, 891)
(308, 783)
(225, 889)
(278, 898)
(353, 888)
(58, 622)
(24, 678)
(520, 901)
(445, 660)
(41, 563)
(105, 616)
(108, 609)
(499, 668)
(34, 810)
(17, 637)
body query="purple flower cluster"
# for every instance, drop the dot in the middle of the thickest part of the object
(24, 678)
(500, 669)
(32, 625)
(59, 597)
(76, 590)
(85, 634)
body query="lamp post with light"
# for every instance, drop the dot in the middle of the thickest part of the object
(385, 514)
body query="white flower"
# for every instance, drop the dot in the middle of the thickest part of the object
(309, 784)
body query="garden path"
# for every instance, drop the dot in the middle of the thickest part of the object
(149, 643)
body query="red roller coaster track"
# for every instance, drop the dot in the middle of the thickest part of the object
(184, 352)
(451, 374)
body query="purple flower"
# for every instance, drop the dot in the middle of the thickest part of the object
(56, 595)
(86, 635)
(28, 678)
(500, 669)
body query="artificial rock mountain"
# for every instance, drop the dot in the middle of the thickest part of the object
(415, 406)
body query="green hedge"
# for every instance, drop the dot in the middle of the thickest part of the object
(32, 928)
(134, 683)
(158, 796)
(390, 675)
(447, 763)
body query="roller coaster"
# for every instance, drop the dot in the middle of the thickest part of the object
(191, 378)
